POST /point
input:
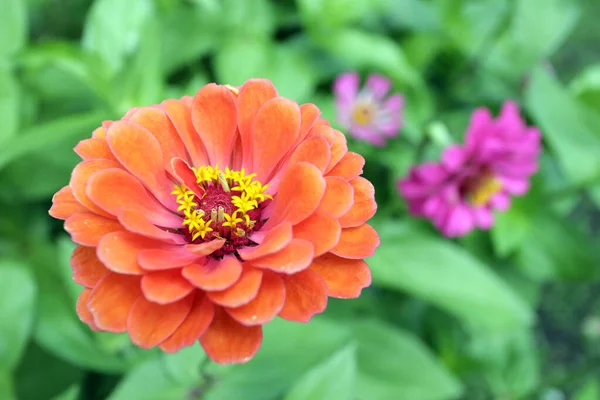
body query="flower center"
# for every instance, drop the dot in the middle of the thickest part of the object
(229, 208)
(363, 113)
(480, 189)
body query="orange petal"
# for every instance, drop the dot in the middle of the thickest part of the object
(214, 116)
(339, 148)
(344, 278)
(364, 206)
(349, 167)
(320, 229)
(79, 179)
(300, 192)
(149, 323)
(206, 248)
(305, 296)
(309, 114)
(82, 310)
(183, 172)
(111, 300)
(227, 341)
(196, 323)
(358, 242)
(181, 117)
(338, 197)
(99, 133)
(87, 268)
(89, 149)
(253, 94)
(241, 292)
(140, 153)
(274, 240)
(215, 274)
(113, 189)
(64, 204)
(158, 123)
(136, 221)
(265, 306)
(166, 286)
(166, 258)
(118, 251)
(87, 228)
(296, 256)
(314, 150)
(274, 131)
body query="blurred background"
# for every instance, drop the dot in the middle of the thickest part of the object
(512, 313)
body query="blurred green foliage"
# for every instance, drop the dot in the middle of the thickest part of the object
(507, 314)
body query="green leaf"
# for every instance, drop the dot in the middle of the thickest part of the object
(16, 311)
(364, 50)
(285, 65)
(293, 348)
(393, 362)
(40, 375)
(9, 104)
(149, 381)
(334, 379)
(556, 247)
(13, 27)
(537, 30)
(113, 29)
(564, 127)
(6, 386)
(510, 361)
(184, 366)
(449, 277)
(589, 391)
(334, 13)
(40, 137)
(586, 86)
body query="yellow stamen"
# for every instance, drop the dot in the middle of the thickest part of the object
(363, 113)
(483, 190)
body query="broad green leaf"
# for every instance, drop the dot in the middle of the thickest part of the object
(556, 247)
(510, 361)
(9, 104)
(40, 137)
(285, 65)
(184, 366)
(149, 381)
(40, 375)
(334, 13)
(589, 391)
(13, 27)
(442, 273)
(288, 350)
(187, 34)
(564, 127)
(6, 386)
(334, 379)
(394, 363)
(536, 31)
(113, 29)
(415, 15)
(364, 50)
(72, 393)
(16, 311)
(586, 86)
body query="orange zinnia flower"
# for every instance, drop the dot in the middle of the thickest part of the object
(204, 218)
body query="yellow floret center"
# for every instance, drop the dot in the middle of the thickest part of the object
(484, 189)
(230, 190)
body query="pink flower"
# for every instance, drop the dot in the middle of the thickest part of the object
(368, 114)
(496, 161)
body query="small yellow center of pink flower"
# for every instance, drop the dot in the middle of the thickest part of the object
(228, 208)
(481, 189)
(363, 113)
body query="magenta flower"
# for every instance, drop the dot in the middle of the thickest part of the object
(496, 162)
(367, 114)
